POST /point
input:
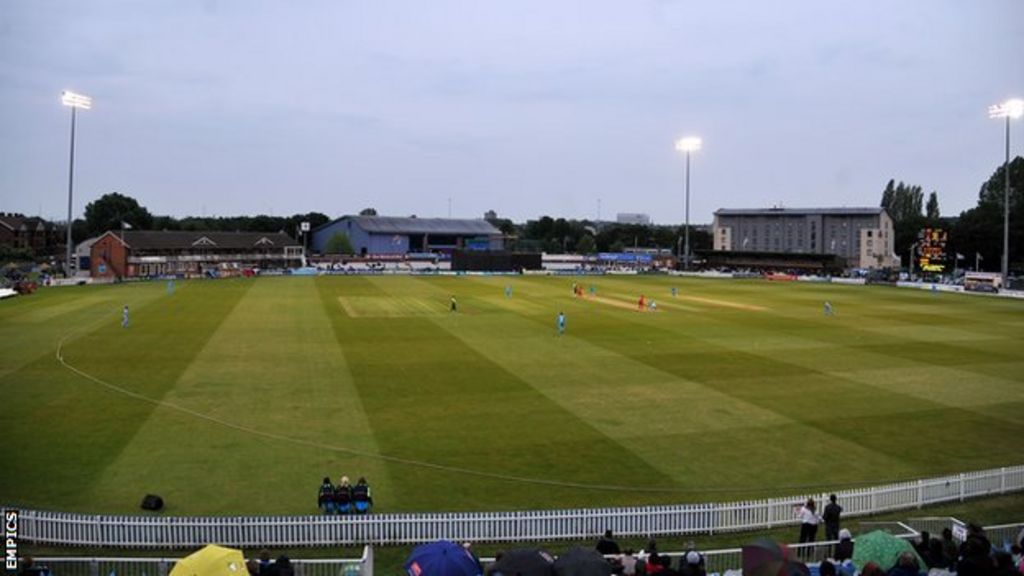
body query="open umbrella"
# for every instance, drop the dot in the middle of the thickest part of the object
(582, 562)
(881, 548)
(764, 557)
(441, 558)
(523, 562)
(211, 561)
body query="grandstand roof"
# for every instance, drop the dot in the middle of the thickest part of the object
(183, 240)
(868, 211)
(399, 225)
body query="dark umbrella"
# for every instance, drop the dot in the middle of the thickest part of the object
(582, 562)
(441, 558)
(764, 557)
(523, 562)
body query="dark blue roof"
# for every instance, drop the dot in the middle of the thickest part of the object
(399, 225)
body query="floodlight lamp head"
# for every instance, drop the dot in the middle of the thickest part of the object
(1013, 108)
(688, 144)
(69, 98)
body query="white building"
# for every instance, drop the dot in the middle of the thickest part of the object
(863, 236)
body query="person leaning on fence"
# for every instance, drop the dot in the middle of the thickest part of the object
(921, 546)
(325, 496)
(265, 561)
(831, 518)
(343, 496)
(362, 497)
(809, 520)
(606, 545)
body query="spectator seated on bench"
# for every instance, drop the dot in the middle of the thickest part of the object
(362, 497)
(325, 497)
(343, 497)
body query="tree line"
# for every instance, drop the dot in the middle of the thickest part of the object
(977, 230)
(112, 211)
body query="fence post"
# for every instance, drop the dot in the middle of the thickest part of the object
(1002, 480)
(94, 567)
(920, 494)
(961, 487)
(712, 519)
(366, 566)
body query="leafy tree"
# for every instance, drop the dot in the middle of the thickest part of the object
(9, 254)
(79, 231)
(368, 212)
(339, 244)
(166, 223)
(586, 245)
(980, 229)
(552, 246)
(888, 195)
(108, 211)
(264, 223)
(932, 209)
(905, 204)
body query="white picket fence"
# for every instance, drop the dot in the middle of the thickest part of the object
(716, 561)
(70, 529)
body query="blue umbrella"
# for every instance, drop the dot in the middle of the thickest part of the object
(441, 558)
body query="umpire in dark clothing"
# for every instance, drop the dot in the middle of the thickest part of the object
(831, 518)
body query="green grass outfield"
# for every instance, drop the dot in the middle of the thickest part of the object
(238, 396)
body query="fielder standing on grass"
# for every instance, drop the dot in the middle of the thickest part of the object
(454, 305)
(560, 323)
(828, 308)
(124, 317)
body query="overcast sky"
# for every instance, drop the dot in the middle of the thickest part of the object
(525, 107)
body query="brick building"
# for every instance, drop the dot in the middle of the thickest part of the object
(144, 253)
(43, 238)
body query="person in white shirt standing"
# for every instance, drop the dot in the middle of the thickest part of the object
(809, 520)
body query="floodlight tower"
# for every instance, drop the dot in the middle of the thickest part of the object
(688, 144)
(1013, 108)
(73, 101)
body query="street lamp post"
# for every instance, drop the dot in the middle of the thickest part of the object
(73, 101)
(910, 262)
(1009, 109)
(688, 144)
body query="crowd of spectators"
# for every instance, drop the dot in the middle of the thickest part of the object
(345, 498)
(648, 560)
(975, 556)
(264, 566)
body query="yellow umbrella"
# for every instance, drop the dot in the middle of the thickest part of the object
(211, 561)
